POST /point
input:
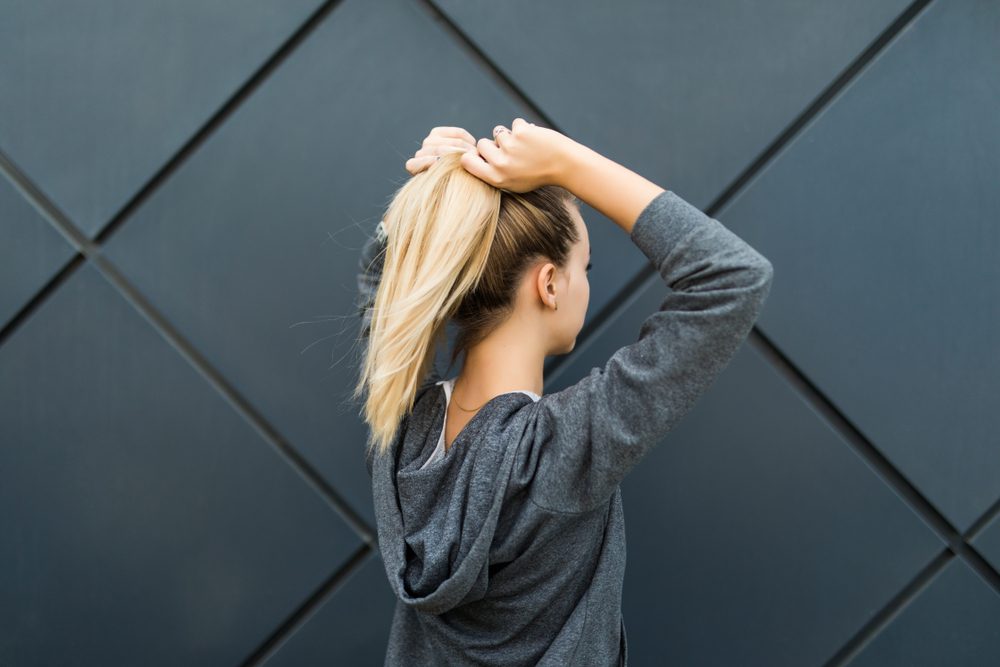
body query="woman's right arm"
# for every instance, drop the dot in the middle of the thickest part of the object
(613, 189)
(586, 438)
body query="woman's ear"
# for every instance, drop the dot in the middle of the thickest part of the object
(545, 284)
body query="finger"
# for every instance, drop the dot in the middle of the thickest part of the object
(428, 150)
(489, 151)
(468, 137)
(499, 130)
(444, 150)
(439, 143)
(454, 133)
(519, 123)
(459, 133)
(426, 157)
(502, 138)
(415, 165)
(475, 164)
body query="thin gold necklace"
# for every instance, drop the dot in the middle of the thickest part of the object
(457, 403)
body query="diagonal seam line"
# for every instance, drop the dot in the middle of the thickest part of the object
(91, 250)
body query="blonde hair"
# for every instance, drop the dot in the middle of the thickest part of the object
(457, 249)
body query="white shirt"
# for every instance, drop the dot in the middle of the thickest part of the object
(439, 451)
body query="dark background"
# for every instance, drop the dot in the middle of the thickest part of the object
(184, 189)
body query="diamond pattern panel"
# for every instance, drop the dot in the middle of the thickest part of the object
(988, 542)
(955, 621)
(145, 522)
(881, 221)
(350, 628)
(31, 253)
(98, 95)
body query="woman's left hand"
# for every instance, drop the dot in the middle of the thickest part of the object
(441, 140)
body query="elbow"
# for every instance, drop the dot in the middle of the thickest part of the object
(760, 287)
(762, 271)
(766, 271)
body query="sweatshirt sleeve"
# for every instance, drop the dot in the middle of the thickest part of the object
(369, 276)
(588, 436)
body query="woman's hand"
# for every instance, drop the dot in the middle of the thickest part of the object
(441, 140)
(523, 158)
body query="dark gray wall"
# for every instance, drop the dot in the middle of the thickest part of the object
(184, 188)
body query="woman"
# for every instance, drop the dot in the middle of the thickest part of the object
(498, 507)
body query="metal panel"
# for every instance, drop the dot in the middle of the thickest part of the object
(352, 626)
(31, 252)
(98, 95)
(988, 542)
(955, 621)
(881, 222)
(145, 522)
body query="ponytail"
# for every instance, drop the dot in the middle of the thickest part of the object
(440, 227)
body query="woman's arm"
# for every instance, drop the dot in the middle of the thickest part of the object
(613, 189)
(587, 437)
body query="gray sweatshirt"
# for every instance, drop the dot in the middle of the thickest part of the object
(510, 548)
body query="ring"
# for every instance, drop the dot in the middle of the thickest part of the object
(498, 129)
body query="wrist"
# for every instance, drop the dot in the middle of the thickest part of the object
(573, 163)
(609, 187)
(568, 158)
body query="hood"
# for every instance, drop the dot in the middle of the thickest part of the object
(436, 524)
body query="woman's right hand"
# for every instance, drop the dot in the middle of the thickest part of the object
(523, 159)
